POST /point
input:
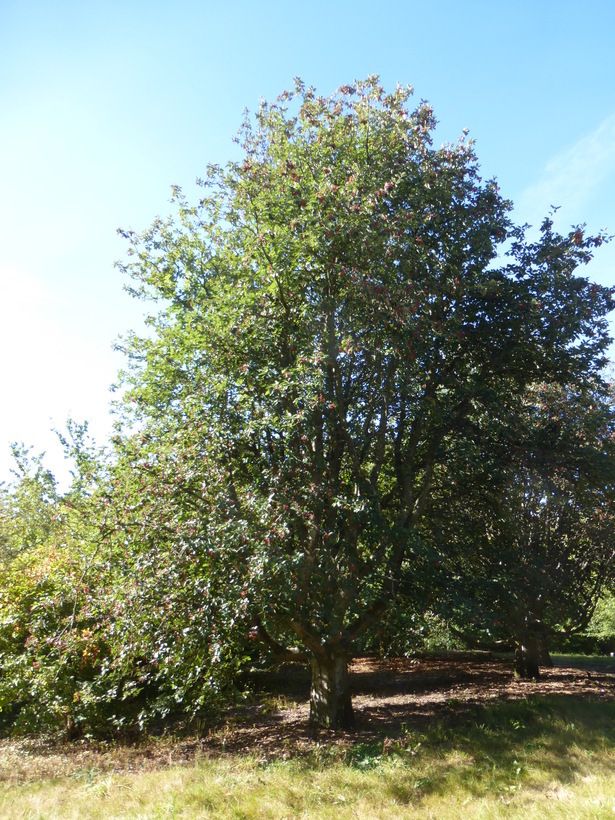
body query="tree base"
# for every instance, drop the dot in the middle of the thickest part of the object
(330, 701)
(527, 658)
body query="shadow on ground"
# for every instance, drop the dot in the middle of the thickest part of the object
(470, 708)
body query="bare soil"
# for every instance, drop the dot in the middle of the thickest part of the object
(390, 698)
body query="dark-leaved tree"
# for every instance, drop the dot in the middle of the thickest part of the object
(331, 312)
(528, 531)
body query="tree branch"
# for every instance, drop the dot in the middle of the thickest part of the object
(280, 653)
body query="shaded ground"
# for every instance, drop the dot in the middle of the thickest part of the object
(390, 698)
(393, 696)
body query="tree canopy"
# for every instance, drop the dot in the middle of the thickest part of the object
(343, 304)
(525, 520)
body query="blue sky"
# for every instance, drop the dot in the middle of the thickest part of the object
(105, 105)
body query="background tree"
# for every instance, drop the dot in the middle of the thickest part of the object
(26, 505)
(601, 629)
(109, 614)
(331, 315)
(529, 536)
(60, 588)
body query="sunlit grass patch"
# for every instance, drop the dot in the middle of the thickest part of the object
(602, 662)
(439, 787)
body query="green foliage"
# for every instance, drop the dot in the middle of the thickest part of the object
(403, 631)
(47, 653)
(177, 637)
(26, 506)
(100, 630)
(602, 625)
(333, 319)
(52, 596)
(534, 530)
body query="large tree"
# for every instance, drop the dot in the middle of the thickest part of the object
(331, 313)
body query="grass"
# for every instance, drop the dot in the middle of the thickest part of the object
(605, 662)
(534, 758)
(544, 756)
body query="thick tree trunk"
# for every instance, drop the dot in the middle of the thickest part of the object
(544, 656)
(330, 701)
(527, 659)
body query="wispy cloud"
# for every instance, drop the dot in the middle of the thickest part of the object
(572, 178)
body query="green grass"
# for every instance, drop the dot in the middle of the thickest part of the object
(605, 662)
(535, 758)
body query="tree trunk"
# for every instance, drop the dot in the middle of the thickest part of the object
(544, 656)
(330, 702)
(527, 657)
